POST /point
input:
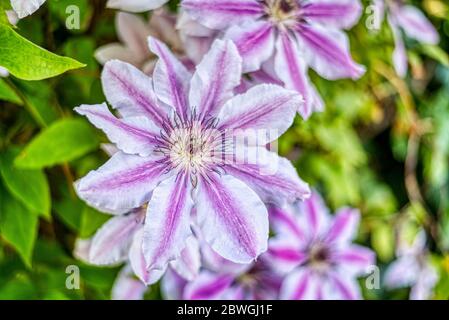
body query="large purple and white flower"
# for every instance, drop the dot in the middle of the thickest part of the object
(316, 252)
(413, 269)
(178, 152)
(412, 21)
(287, 36)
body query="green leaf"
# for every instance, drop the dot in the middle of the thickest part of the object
(63, 141)
(91, 220)
(18, 225)
(28, 186)
(437, 53)
(8, 94)
(28, 61)
(382, 241)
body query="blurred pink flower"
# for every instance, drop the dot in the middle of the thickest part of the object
(413, 269)
(221, 279)
(413, 22)
(286, 37)
(315, 251)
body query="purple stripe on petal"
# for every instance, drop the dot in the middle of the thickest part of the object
(290, 67)
(340, 14)
(315, 214)
(208, 286)
(347, 289)
(131, 92)
(296, 285)
(287, 254)
(273, 178)
(327, 51)
(215, 78)
(167, 224)
(219, 14)
(233, 219)
(255, 42)
(345, 225)
(136, 135)
(171, 78)
(264, 107)
(281, 220)
(121, 184)
(356, 259)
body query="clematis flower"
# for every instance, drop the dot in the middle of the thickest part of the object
(172, 135)
(413, 22)
(315, 251)
(289, 36)
(133, 33)
(25, 8)
(135, 5)
(221, 279)
(413, 269)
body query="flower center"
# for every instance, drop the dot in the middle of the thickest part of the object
(319, 256)
(190, 145)
(282, 12)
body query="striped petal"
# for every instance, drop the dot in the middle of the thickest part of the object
(273, 178)
(314, 216)
(232, 218)
(255, 42)
(135, 5)
(131, 92)
(335, 13)
(121, 184)
(133, 135)
(171, 78)
(113, 240)
(208, 286)
(345, 287)
(415, 24)
(301, 284)
(284, 255)
(290, 67)
(267, 110)
(219, 14)
(355, 259)
(215, 78)
(285, 223)
(344, 226)
(167, 224)
(326, 51)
